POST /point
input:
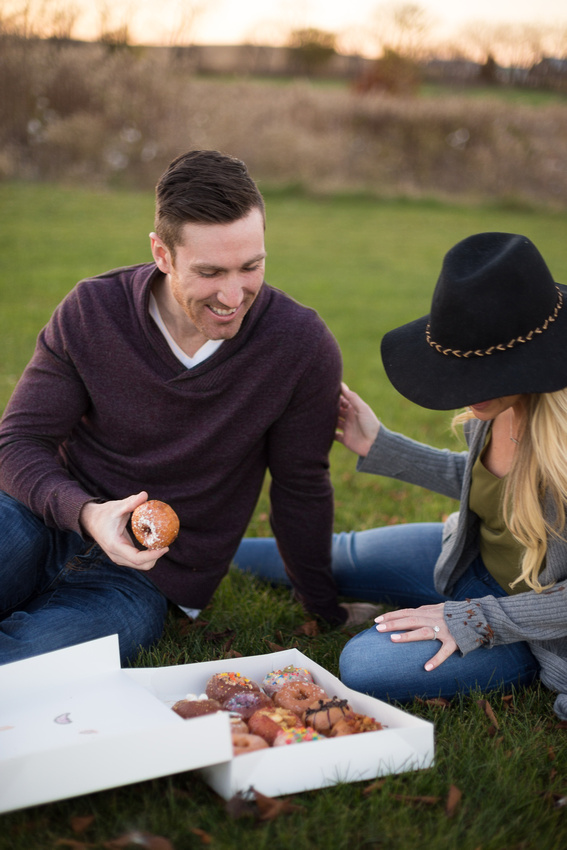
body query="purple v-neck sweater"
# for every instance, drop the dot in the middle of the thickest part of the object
(104, 410)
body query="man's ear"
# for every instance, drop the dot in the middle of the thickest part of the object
(161, 254)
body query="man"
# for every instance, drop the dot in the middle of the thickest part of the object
(183, 380)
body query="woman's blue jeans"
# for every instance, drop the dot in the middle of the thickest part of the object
(57, 590)
(394, 564)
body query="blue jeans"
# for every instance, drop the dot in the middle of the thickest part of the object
(394, 564)
(57, 590)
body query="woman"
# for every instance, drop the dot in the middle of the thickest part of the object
(489, 585)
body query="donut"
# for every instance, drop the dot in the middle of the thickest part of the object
(277, 678)
(268, 722)
(196, 707)
(354, 725)
(244, 742)
(155, 524)
(297, 696)
(296, 736)
(222, 686)
(238, 725)
(322, 715)
(245, 703)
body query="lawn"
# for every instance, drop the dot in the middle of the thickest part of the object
(366, 266)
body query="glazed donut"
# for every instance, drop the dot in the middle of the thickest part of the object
(223, 686)
(196, 707)
(268, 722)
(354, 725)
(155, 524)
(296, 736)
(277, 678)
(297, 696)
(243, 743)
(322, 715)
(245, 703)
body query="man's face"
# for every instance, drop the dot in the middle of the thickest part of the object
(216, 273)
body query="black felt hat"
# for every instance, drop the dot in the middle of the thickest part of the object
(497, 327)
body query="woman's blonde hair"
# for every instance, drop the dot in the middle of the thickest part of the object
(538, 472)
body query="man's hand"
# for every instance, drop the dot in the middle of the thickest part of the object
(357, 424)
(106, 524)
(359, 612)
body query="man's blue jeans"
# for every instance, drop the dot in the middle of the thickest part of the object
(394, 564)
(57, 590)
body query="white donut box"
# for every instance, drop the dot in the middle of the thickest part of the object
(73, 722)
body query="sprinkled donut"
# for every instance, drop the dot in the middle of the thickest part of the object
(296, 736)
(322, 715)
(297, 696)
(278, 678)
(155, 524)
(243, 743)
(223, 686)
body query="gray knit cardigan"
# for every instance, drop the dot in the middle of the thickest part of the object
(540, 619)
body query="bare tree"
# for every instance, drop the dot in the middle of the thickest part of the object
(401, 28)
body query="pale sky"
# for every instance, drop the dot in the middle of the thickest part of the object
(237, 21)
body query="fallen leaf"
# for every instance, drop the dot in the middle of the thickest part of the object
(274, 646)
(205, 837)
(487, 708)
(213, 637)
(310, 628)
(561, 724)
(233, 653)
(72, 843)
(270, 807)
(408, 798)
(139, 839)
(240, 806)
(80, 824)
(551, 754)
(453, 800)
(375, 786)
(439, 702)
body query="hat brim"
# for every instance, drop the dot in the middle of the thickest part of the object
(446, 382)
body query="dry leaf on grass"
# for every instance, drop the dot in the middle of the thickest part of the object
(233, 653)
(139, 839)
(416, 799)
(217, 637)
(453, 800)
(73, 844)
(81, 824)
(310, 629)
(375, 786)
(274, 646)
(487, 708)
(252, 803)
(205, 837)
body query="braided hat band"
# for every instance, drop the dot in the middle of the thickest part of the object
(503, 346)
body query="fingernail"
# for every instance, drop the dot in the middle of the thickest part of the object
(395, 637)
(429, 667)
(381, 627)
(379, 619)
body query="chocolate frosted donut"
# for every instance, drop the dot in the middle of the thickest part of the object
(155, 524)
(223, 686)
(322, 715)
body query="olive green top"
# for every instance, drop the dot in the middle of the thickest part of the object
(499, 549)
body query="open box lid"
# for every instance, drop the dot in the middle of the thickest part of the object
(73, 722)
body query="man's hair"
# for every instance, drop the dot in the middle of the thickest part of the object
(205, 187)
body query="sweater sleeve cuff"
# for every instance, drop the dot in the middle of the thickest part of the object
(468, 626)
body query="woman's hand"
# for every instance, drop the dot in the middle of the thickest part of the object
(424, 623)
(357, 424)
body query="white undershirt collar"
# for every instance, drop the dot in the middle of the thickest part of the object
(209, 347)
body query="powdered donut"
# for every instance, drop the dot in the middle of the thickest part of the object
(245, 703)
(155, 524)
(322, 715)
(196, 707)
(354, 725)
(243, 743)
(268, 722)
(296, 736)
(277, 678)
(222, 686)
(297, 696)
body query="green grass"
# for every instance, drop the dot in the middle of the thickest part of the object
(366, 266)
